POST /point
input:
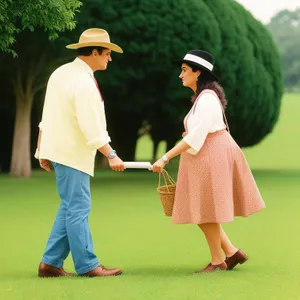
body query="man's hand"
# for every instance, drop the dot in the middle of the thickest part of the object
(45, 164)
(116, 164)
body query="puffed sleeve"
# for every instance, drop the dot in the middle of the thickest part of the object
(203, 113)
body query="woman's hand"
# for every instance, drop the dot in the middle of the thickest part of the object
(158, 166)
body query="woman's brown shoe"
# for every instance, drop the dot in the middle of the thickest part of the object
(211, 268)
(238, 258)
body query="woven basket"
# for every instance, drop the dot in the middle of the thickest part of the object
(166, 192)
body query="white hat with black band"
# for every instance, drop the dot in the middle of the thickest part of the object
(202, 60)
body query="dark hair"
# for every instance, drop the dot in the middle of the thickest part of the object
(87, 51)
(206, 83)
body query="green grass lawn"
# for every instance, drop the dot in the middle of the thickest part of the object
(130, 231)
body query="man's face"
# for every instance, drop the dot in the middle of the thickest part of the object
(101, 60)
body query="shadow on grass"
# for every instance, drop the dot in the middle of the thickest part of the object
(168, 271)
(149, 271)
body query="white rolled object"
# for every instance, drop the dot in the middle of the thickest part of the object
(137, 165)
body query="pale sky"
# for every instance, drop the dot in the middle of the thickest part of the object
(264, 10)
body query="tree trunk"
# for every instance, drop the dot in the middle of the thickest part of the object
(27, 81)
(23, 85)
(21, 161)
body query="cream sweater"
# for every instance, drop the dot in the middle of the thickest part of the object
(73, 122)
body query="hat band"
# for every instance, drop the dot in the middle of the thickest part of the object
(199, 60)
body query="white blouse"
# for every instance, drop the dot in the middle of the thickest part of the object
(205, 117)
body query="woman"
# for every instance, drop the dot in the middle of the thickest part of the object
(214, 181)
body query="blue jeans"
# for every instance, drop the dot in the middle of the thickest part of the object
(71, 231)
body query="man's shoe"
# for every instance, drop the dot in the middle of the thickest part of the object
(238, 258)
(46, 270)
(102, 271)
(211, 268)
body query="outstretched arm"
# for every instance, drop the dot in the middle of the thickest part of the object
(176, 150)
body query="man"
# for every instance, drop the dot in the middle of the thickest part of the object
(73, 127)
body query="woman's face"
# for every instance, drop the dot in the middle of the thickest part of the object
(188, 76)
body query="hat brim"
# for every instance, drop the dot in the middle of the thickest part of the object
(110, 46)
(208, 74)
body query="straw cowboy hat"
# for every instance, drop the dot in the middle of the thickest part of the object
(202, 60)
(95, 37)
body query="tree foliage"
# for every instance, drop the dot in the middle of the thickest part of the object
(27, 73)
(254, 105)
(142, 85)
(285, 28)
(52, 15)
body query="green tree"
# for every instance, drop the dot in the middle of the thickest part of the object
(17, 15)
(285, 28)
(258, 92)
(249, 70)
(30, 70)
(142, 84)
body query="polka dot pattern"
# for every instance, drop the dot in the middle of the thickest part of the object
(216, 184)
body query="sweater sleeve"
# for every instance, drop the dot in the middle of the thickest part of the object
(90, 112)
(204, 110)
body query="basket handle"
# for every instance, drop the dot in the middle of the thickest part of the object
(167, 178)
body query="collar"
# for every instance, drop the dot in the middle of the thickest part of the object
(84, 65)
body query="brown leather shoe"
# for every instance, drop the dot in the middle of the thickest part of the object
(211, 268)
(49, 271)
(238, 258)
(102, 271)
